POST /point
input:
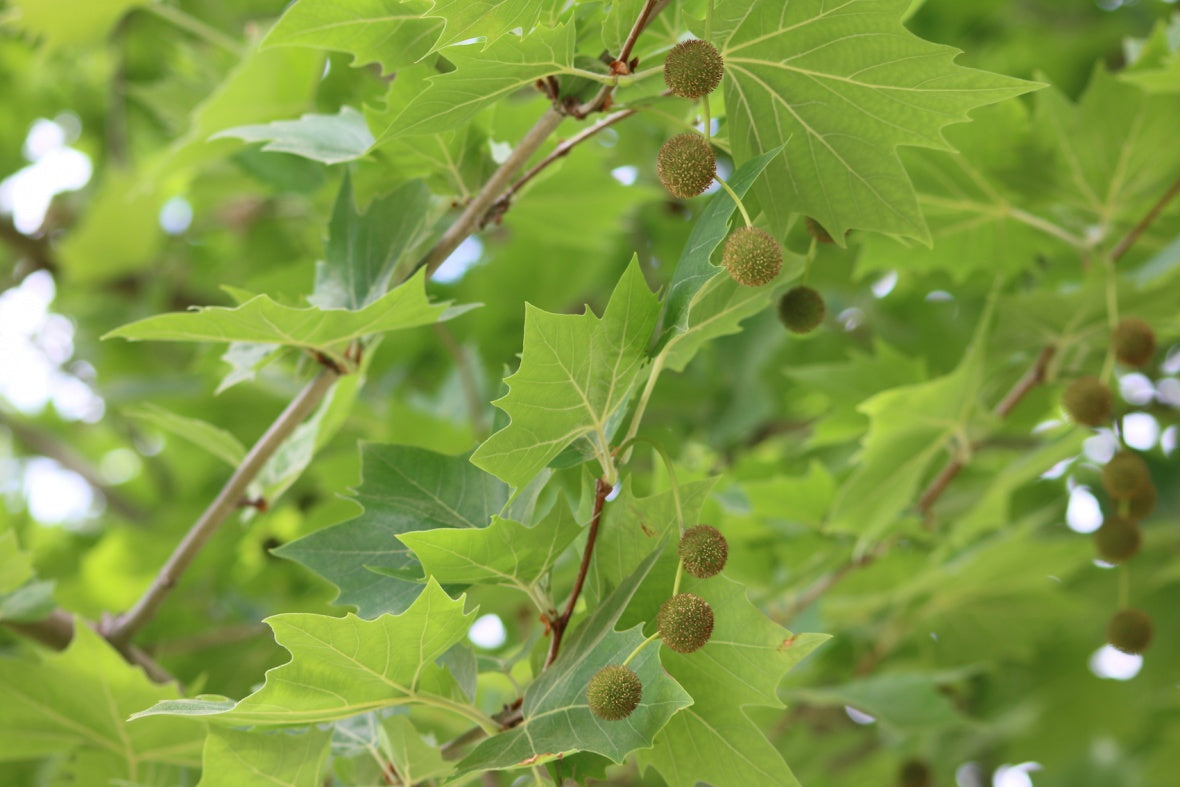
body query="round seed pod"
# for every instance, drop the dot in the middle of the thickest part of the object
(1142, 503)
(1089, 402)
(1118, 539)
(686, 622)
(686, 165)
(703, 550)
(1125, 475)
(614, 692)
(1133, 341)
(1130, 630)
(914, 773)
(801, 309)
(752, 256)
(693, 69)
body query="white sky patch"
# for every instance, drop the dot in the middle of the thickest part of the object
(1141, 431)
(1015, 775)
(176, 216)
(54, 168)
(488, 632)
(1101, 446)
(1083, 515)
(56, 495)
(884, 285)
(858, 716)
(460, 261)
(626, 175)
(1111, 663)
(1136, 388)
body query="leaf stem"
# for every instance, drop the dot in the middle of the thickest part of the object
(601, 490)
(671, 473)
(738, 200)
(1035, 375)
(226, 502)
(1124, 245)
(639, 648)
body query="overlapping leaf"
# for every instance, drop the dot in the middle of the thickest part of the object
(76, 704)
(575, 377)
(481, 78)
(263, 320)
(234, 758)
(742, 664)
(340, 667)
(328, 139)
(557, 719)
(402, 490)
(842, 85)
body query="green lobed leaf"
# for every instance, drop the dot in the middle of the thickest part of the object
(363, 250)
(481, 78)
(905, 702)
(414, 759)
(15, 566)
(393, 33)
(489, 20)
(742, 664)
(575, 378)
(557, 719)
(340, 667)
(234, 758)
(76, 703)
(505, 552)
(262, 320)
(202, 434)
(328, 139)
(402, 490)
(844, 84)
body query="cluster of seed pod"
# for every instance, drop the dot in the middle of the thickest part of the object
(685, 624)
(1126, 477)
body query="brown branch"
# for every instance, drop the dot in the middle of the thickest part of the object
(473, 215)
(602, 100)
(501, 205)
(57, 630)
(1124, 245)
(558, 625)
(222, 506)
(46, 445)
(33, 251)
(1031, 379)
(807, 597)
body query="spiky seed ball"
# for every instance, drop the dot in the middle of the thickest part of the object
(614, 692)
(801, 309)
(686, 165)
(817, 231)
(914, 773)
(1142, 503)
(686, 622)
(752, 256)
(1133, 341)
(1125, 475)
(703, 550)
(1129, 630)
(693, 69)
(1089, 401)
(1117, 540)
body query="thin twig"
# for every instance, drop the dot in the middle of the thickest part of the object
(222, 506)
(46, 445)
(198, 28)
(1124, 245)
(502, 204)
(808, 596)
(1031, 379)
(475, 211)
(601, 490)
(602, 100)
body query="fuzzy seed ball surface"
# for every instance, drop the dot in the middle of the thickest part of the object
(703, 550)
(614, 692)
(1133, 341)
(752, 256)
(686, 622)
(1125, 475)
(686, 165)
(693, 69)
(1118, 539)
(1130, 630)
(1089, 401)
(1140, 506)
(801, 309)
